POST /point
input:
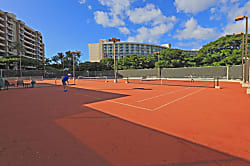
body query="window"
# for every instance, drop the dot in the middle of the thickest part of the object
(9, 37)
(10, 31)
(10, 26)
(9, 19)
(21, 36)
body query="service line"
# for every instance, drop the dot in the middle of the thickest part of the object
(164, 105)
(120, 103)
(162, 95)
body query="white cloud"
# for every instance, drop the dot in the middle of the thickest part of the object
(151, 35)
(148, 14)
(82, 1)
(212, 10)
(113, 18)
(194, 31)
(235, 28)
(235, 10)
(230, 11)
(124, 30)
(90, 7)
(107, 20)
(117, 7)
(189, 44)
(193, 6)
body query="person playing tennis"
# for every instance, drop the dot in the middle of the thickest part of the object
(192, 79)
(64, 80)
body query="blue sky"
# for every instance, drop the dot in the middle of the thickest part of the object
(72, 24)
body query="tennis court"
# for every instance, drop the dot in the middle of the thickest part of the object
(147, 122)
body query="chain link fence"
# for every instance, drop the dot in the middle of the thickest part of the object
(226, 72)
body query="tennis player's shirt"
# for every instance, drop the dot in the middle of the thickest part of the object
(65, 78)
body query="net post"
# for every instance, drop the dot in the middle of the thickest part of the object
(214, 82)
(217, 84)
(127, 81)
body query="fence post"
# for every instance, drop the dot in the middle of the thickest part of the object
(1, 72)
(227, 72)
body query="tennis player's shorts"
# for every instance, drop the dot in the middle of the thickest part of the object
(63, 82)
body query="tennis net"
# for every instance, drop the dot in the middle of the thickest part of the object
(101, 79)
(185, 81)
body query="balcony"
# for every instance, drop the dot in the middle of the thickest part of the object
(27, 41)
(10, 22)
(2, 50)
(10, 34)
(29, 52)
(2, 38)
(2, 25)
(2, 19)
(29, 47)
(26, 31)
(2, 44)
(28, 37)
(2, 31)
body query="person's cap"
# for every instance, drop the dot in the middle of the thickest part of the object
(69, 74)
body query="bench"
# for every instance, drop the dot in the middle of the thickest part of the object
(7, 84)
(20, 82)
(11, 82)
(26, 85)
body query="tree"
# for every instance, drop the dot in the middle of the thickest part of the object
(18, 45)
(224, 51)
(55, 59)
(107, 63)
(60, 56)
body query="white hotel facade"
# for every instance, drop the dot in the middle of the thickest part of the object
(103, 49)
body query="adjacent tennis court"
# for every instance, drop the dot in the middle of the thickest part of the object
(137, 121)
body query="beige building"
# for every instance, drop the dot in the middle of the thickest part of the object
(12, 30)
(103, 49)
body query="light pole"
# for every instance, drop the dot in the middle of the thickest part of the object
(73, 54)
(114, 40)
(238, 18)
(159, 69)
(242, 63)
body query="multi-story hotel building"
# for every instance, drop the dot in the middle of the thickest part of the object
(12, 30)
(103, 49)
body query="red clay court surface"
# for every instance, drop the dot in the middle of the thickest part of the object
(99, 124)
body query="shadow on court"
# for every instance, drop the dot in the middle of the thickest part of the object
(46, 126)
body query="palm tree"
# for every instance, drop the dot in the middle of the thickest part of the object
(55, 59)
(61, 58)
(78, 56)
(18, 45)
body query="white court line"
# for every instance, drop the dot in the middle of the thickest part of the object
(120, 103)
(161, 95)
(164, 105)
(155, 109)
(129, 105)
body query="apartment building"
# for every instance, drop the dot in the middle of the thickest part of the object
(103, 49)
(12, 30)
